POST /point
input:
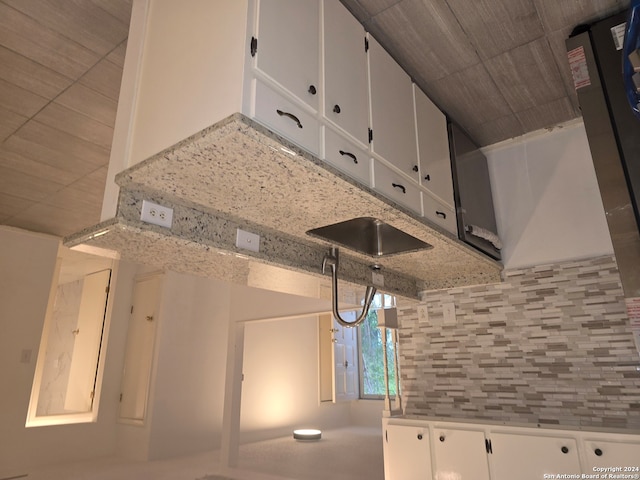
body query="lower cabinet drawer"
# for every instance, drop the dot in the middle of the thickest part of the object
(396, 187)
(440, 214)
(346, 157)
(286, 118)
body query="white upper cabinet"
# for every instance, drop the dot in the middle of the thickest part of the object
(346, 101)
(433, 148)
(392, 117)
(288, 46)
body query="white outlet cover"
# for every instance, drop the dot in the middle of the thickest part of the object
(156, 214)
(449, 313)
(247, 240)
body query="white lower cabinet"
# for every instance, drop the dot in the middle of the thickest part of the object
(406, 452)
(530, 457)
(466, 451)
(602, 454)
(459, 454)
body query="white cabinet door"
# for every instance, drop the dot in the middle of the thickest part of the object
(602, 454)
(396, 187)
(392, 114)
(347, 157)
(530, 457)
(440, 214)
(459, 454)
(286, 118)
(346, 100)
(406, 453)
(433, 148)
(288, 45)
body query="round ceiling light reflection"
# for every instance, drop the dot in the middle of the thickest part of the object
(307, 434)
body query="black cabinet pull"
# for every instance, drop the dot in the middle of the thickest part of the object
(598, 452)
(441, 214)
(427, 178)
(564, 450)
(312, 89)
(289, 115)
(349, 154)
(415, 168)
(442, 438)
(419, 436)
(401, 187)
(336, 109)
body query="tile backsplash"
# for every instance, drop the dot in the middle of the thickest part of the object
(551, 345)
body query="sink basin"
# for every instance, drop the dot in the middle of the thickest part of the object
(369, 236)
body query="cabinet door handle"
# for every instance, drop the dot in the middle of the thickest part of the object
(289, 115)
(598, 452)
(419, 436)
(441, 214)
(564, 449)
(401, 187)
(349, 154)
(336, 109)
(312, 89)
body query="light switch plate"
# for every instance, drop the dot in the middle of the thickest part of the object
(423, 313)
(449, 313)
(247, 240)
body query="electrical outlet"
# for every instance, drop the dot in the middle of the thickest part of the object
(423, 314)
(247, 240)
(377, 279)
(156, 214)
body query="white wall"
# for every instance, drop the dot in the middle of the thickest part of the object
(280, 387)
(188, 395)
(546, 198)
(27, 262)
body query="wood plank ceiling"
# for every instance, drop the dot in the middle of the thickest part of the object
(497, 67)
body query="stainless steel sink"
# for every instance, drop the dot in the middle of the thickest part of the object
(370, 236)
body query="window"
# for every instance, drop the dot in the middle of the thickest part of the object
(370, 339)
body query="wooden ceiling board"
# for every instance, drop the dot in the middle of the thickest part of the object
(558, 15)
(93, 183)
(471, 95)
(496, 27)
(54, 147)
(71, 198)
(83, 22)
(46, 218)
(35, 41)
(120, 9)
(90, 103)
(25, 186)
(20, 101)
(30, 75)
(547, 115)
(374, 7)
(9, 122)
(494, 131)
(427, 34)
(10, 205)
(104, 78)
(527, 75)
(18, 162)
(75, 124)
(117, 55)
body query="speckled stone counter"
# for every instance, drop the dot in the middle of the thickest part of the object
(235, 174)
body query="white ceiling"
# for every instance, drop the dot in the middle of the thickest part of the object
(497, 67)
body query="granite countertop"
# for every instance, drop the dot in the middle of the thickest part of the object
(238, 174)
